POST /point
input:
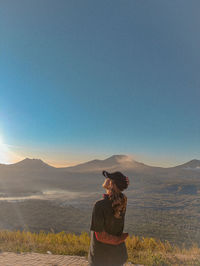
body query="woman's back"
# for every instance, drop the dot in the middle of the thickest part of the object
(110, 223)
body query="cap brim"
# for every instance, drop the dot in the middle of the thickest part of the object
(106, 174)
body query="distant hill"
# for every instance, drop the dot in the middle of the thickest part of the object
(31, 175)
(113, 163)
(191, 165)
(30, 163)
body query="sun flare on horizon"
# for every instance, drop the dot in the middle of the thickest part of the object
(6, 155)
(3, 151)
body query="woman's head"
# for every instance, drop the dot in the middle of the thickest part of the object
(120, 180)
(119, 200)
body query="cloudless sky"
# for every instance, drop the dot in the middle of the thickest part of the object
(83, 80)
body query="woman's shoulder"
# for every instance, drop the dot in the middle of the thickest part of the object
(101, 202)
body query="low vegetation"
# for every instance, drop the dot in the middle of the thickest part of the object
(146, 251)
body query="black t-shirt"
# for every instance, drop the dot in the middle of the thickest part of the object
(101, 254)
(103, 218)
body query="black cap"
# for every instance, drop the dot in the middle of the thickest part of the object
(121, 180)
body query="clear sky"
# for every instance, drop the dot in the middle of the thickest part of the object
(86, 79)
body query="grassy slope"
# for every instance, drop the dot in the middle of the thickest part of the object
(147, 251)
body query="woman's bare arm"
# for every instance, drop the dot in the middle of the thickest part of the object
(110, 239)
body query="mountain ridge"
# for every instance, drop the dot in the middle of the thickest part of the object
(27, 162)
(119, 159)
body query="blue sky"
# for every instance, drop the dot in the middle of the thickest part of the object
(88, 79)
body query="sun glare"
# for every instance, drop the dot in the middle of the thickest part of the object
(7, 155)
(4, 152)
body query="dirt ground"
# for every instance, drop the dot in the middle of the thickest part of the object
(35, 259)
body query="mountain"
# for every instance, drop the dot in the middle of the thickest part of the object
(191, 165)
(29, 164)
(34, 175)
(113, 163)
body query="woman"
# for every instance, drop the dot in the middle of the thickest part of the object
(107, 245)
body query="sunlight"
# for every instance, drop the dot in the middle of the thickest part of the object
(7, 155)
(4, 152)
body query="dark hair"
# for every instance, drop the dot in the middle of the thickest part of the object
(119, 200)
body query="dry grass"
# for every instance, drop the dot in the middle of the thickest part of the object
(147, 251)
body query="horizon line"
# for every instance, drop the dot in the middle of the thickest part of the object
(76, 164)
